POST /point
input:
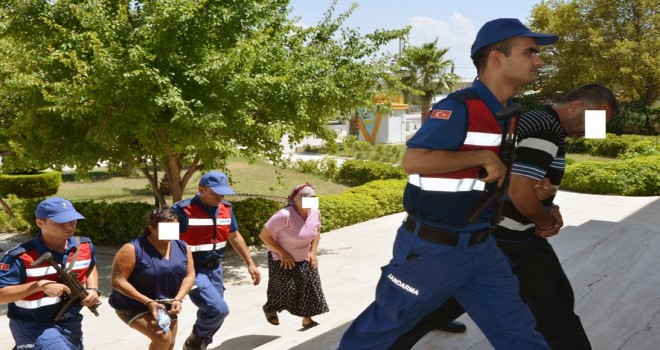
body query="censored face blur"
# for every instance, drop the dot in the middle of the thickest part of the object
(575, 123)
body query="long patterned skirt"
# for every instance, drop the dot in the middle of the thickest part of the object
(297, 290)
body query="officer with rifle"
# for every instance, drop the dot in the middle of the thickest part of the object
(48, 280)
(438, 253)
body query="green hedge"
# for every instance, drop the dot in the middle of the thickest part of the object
(252, 214)
(31, 185)
(388, 194)
(358, 172)
(112, 223)
(629, 177)
(613, 146)
(117, 223)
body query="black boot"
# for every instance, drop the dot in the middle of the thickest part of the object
(194, 342)
(453, 327)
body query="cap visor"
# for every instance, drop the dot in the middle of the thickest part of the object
(222, 190)
(66, 217)
(543, 39)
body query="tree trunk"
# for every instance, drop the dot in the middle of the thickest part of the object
(172, 166)
(153, 182)
(426, 104)
(425, 111)
(353, 126)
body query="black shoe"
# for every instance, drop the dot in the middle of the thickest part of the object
(453, 327)
(194, 342)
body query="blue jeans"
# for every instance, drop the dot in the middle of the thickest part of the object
(422, 275)
(48, 335)
(208, 296)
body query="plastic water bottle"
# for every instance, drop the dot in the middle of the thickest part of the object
(163, 319)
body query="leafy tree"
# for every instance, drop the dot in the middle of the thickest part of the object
(176, 85)
(424, 70)
(613, 42)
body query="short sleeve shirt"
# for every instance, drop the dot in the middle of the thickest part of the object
(293, 233)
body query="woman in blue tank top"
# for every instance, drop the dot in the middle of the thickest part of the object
(152, 272)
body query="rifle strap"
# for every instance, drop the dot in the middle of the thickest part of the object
(74, 257)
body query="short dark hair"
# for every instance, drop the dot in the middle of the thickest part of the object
(594, 94)
(162, 214)
(480, 58)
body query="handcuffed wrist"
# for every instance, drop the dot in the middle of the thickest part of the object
(554, 221)
(98, 291)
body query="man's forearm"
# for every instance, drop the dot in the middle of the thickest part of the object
(521, 191)
(425, 161)
(241, 248)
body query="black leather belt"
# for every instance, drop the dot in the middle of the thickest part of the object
(439, 236)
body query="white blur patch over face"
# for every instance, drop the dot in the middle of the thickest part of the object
(168, 231)
(594, 124)
(310, 202)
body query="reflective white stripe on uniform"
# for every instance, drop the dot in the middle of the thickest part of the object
(200, 222)
(446, 185)
(207, 222)
(514, 225)
(35, 304)
(207, 247)
(50, 270)
(483, 139)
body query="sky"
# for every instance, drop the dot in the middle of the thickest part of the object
(454, 22)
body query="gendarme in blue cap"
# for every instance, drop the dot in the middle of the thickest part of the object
(505, 28)
(218, 182)
(57, 209)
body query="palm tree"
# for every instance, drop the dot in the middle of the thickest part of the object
(426, 72)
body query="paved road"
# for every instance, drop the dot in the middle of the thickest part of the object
(610, 249)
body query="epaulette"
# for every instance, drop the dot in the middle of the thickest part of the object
(21, 248)
(183, 203)
(464, 95)
(84, 239)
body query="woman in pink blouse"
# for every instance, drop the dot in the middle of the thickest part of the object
(292, 237)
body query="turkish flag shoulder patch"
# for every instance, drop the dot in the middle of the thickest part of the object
(440, 114)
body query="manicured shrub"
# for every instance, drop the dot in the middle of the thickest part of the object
(388, 194)
(112, 223)
(614, 146)
(630, 177)
(346, 209)
(358, 172)
(36, 185)
(252, 214)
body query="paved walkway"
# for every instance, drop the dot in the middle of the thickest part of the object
(610, 249)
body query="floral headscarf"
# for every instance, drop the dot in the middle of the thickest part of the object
(300, 191)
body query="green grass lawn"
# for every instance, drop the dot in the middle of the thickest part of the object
(585, 157)
(256, 178)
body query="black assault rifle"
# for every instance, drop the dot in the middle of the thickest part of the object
(507, 156)
(69, 279)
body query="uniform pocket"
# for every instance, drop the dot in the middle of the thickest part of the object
(400, 289)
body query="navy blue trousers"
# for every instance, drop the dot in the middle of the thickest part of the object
(422, 276)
